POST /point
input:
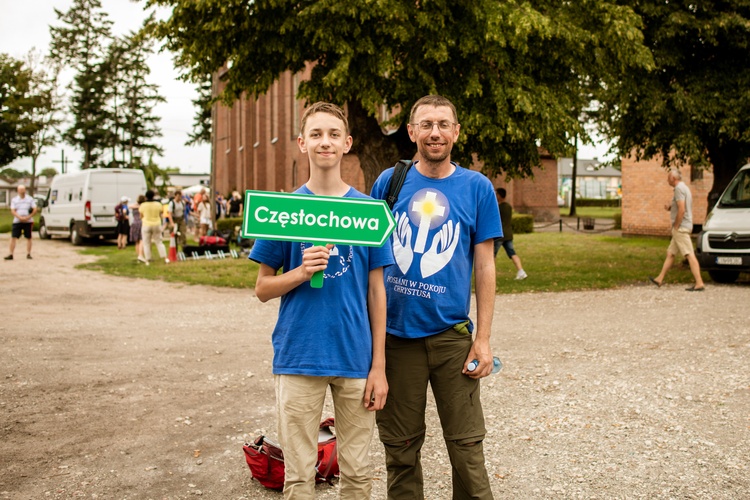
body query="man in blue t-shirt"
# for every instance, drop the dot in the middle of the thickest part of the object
(446, 219)
(330, 336)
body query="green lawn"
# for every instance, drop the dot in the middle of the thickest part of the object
(554, 262)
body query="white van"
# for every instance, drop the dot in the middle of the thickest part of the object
(81, 205)
(723, 247)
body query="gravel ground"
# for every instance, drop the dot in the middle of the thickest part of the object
(133, 389)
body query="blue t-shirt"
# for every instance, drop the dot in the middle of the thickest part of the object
(324, 331)
(438, 222)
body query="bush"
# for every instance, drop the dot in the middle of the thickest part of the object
(595, 202)
(522, 223)
(228, 224)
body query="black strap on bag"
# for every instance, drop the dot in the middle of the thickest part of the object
(397, 181)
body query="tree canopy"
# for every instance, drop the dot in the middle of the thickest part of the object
(519, 72)
(694, 105)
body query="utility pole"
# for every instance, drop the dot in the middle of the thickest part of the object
(62, 161)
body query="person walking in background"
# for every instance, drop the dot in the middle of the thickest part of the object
(151, 212)
(136, 226)
(122, 216)
(235, 205)
(506, 241)
(204, 216)
(349, 310)
(681, 215)
(23, 208)
(177, 211)
(446, 220)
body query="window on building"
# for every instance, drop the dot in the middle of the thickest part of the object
(696, 173)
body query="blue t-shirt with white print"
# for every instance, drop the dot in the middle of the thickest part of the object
(324, 331)
(438, 222)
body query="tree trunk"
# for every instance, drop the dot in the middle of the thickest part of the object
(376, 151)
(32, 181)
(574, 176)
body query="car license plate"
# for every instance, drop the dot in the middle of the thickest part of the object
(729, 261)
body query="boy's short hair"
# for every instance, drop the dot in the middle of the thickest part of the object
(435, 101)
(324, 107)
(502, 192)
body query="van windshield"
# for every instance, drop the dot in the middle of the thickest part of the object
(737, 193)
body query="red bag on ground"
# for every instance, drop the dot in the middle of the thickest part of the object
(266, 459)
(211, 240)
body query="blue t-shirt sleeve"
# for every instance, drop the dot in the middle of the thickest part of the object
(268, 252)
(383, 182)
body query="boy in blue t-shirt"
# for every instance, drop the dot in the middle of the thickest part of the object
(331, 336)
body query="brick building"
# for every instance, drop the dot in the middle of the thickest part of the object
(255, 147)
(645, 192)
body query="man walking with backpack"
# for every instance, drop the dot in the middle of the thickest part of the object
(178, 214)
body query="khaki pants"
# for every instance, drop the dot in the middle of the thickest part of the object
(152, 234)
(410, 365)
(299, 404)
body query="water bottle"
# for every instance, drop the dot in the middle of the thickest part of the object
(497, 365)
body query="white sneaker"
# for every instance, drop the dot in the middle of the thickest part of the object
(521, 275)
(166, 260)
(141, 258)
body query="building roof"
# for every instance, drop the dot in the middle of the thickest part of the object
(586, 168)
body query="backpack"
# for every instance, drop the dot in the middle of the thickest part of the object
(265, 459)
(400, 169)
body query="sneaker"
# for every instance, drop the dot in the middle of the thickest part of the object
(166, 261)
(28, 256)
(521, 275)
(9, 257)
(141, 258)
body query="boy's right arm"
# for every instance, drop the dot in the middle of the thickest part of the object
(270, 285)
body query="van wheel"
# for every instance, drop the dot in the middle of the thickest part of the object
(724, 276)
(75, 237)
(43, 234)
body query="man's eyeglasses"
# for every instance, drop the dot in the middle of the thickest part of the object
(427, 126)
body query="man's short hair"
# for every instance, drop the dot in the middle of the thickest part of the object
(324, 107)
(178, 191)
(435, 101)
(502, 192)
(150, 195)
(676, 174)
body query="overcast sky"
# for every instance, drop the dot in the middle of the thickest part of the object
(25, 24)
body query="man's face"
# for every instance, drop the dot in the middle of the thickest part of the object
(178, 197)
(324, 140)
(671, 180)
(21, 190)
(436, 143)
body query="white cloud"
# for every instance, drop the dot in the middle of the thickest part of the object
(25, 24)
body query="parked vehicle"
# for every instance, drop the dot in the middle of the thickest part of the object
(723, 247)
(81, 205)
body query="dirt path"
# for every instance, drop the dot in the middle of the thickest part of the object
(125, 388)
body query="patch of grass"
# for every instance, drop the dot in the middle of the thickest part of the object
(554, 261)
(564, 261)
(232, 273)
(596, 212)
(6, 220)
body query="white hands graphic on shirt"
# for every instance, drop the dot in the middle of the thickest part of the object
(433, 259)
(402, 243)
(441, 251)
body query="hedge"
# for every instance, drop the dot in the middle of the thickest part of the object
(522, 223)
(596, 202)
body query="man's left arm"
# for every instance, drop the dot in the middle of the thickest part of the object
(484, 274)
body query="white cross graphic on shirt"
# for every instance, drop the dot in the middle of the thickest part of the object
(427, 208)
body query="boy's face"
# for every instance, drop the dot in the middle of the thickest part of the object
(324, 140)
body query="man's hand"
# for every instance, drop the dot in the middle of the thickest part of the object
(376, 390)
(482, 352)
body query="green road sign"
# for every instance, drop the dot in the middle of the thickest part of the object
(316, 219)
